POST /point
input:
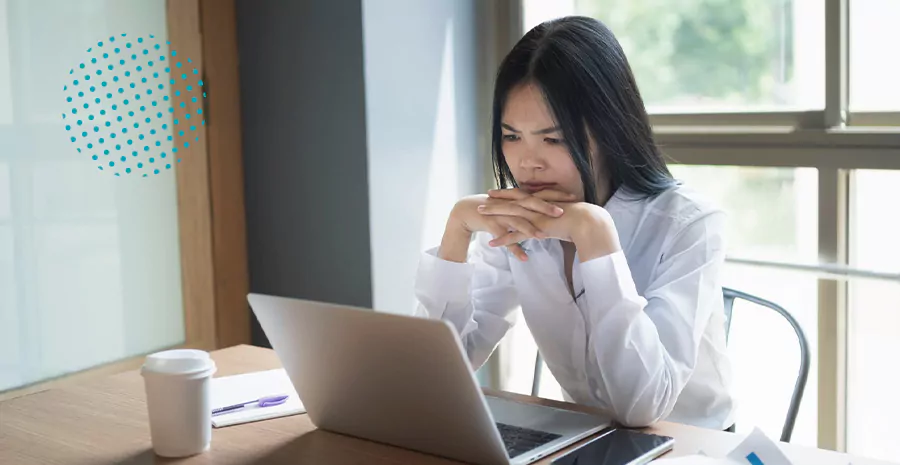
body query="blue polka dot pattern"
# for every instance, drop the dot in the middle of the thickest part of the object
(107, 105)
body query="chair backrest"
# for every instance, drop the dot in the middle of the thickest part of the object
(729, 296)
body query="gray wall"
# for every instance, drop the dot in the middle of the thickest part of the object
(421, 72)
(304, 133)
(360, 123)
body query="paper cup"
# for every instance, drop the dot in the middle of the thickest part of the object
(177, 383)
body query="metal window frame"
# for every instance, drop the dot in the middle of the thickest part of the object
(822, 270)
(794, 120)
(834, 199)
(874, 119)
(783, 119)
(834, 140)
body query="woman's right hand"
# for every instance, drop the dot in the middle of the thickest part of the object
(465, 220)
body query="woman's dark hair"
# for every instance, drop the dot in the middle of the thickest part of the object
(581, 70)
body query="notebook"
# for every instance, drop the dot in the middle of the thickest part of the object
(229, 390)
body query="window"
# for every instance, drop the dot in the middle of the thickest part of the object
(772, 212)
(873, 73)
(764, 352)
(772, 215)
(874, 315)
(9, 342)
(4, 192)
(768, 53)
(786, 113)
(90, 267)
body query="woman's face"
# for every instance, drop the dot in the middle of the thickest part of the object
(533, 146)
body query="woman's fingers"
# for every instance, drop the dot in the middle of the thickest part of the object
(516, 223)
(510, 239)
(540, 206)
(504, 209)
(507, 194)
(550, 195)
(525, 208)
(498, 231)
(524, 226)
(516, 250)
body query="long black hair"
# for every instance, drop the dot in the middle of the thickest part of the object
(580, 68)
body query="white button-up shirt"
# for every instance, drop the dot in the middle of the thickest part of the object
(645, 338)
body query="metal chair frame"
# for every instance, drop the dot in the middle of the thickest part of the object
(730, 295)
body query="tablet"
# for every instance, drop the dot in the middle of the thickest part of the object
(619, 447)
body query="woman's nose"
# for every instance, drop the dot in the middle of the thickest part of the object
(531, 161)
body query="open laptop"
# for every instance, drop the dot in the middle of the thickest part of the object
(406, 381)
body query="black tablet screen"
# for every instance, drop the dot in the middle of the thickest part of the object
(617, 448)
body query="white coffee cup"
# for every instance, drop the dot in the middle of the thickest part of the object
(177, 383)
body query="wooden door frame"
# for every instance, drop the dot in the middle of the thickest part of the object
(210, 180)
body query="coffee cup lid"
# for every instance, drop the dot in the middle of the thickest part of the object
(178, 362)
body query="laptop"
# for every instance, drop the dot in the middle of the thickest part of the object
(406, 381)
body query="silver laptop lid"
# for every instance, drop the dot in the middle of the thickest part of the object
(394, 379)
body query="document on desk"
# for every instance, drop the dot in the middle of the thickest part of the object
(758, 449)
(755, 449)
(230, 390)
(695, 460)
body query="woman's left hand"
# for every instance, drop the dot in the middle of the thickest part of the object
(516, 202)
(587, 225)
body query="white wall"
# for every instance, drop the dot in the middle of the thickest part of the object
(421, 72)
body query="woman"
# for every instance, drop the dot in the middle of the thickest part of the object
(615, 266)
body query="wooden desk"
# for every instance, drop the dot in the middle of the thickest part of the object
(105, 421)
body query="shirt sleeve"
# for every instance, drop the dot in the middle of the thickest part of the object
(643, 350)
(476, 297)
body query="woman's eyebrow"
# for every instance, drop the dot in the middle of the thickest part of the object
(546, 131)
(537, 133)
(508, 127)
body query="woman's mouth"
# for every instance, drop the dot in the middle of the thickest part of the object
(533, 187)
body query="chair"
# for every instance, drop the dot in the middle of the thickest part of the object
(730, 295)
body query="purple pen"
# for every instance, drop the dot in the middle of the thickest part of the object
(267, 401)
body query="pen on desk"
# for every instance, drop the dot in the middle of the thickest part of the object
(267, 401)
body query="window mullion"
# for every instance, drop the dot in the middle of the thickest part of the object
(837, 70)
(832, 328)
(834, 196)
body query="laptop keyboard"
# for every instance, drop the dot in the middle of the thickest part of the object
(519, 440)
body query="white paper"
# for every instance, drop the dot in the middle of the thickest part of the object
(696, 460)
(758, 449)
(755, 449)
(230, 390)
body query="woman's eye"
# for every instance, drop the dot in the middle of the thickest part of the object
(510, 137)
(552, 140)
